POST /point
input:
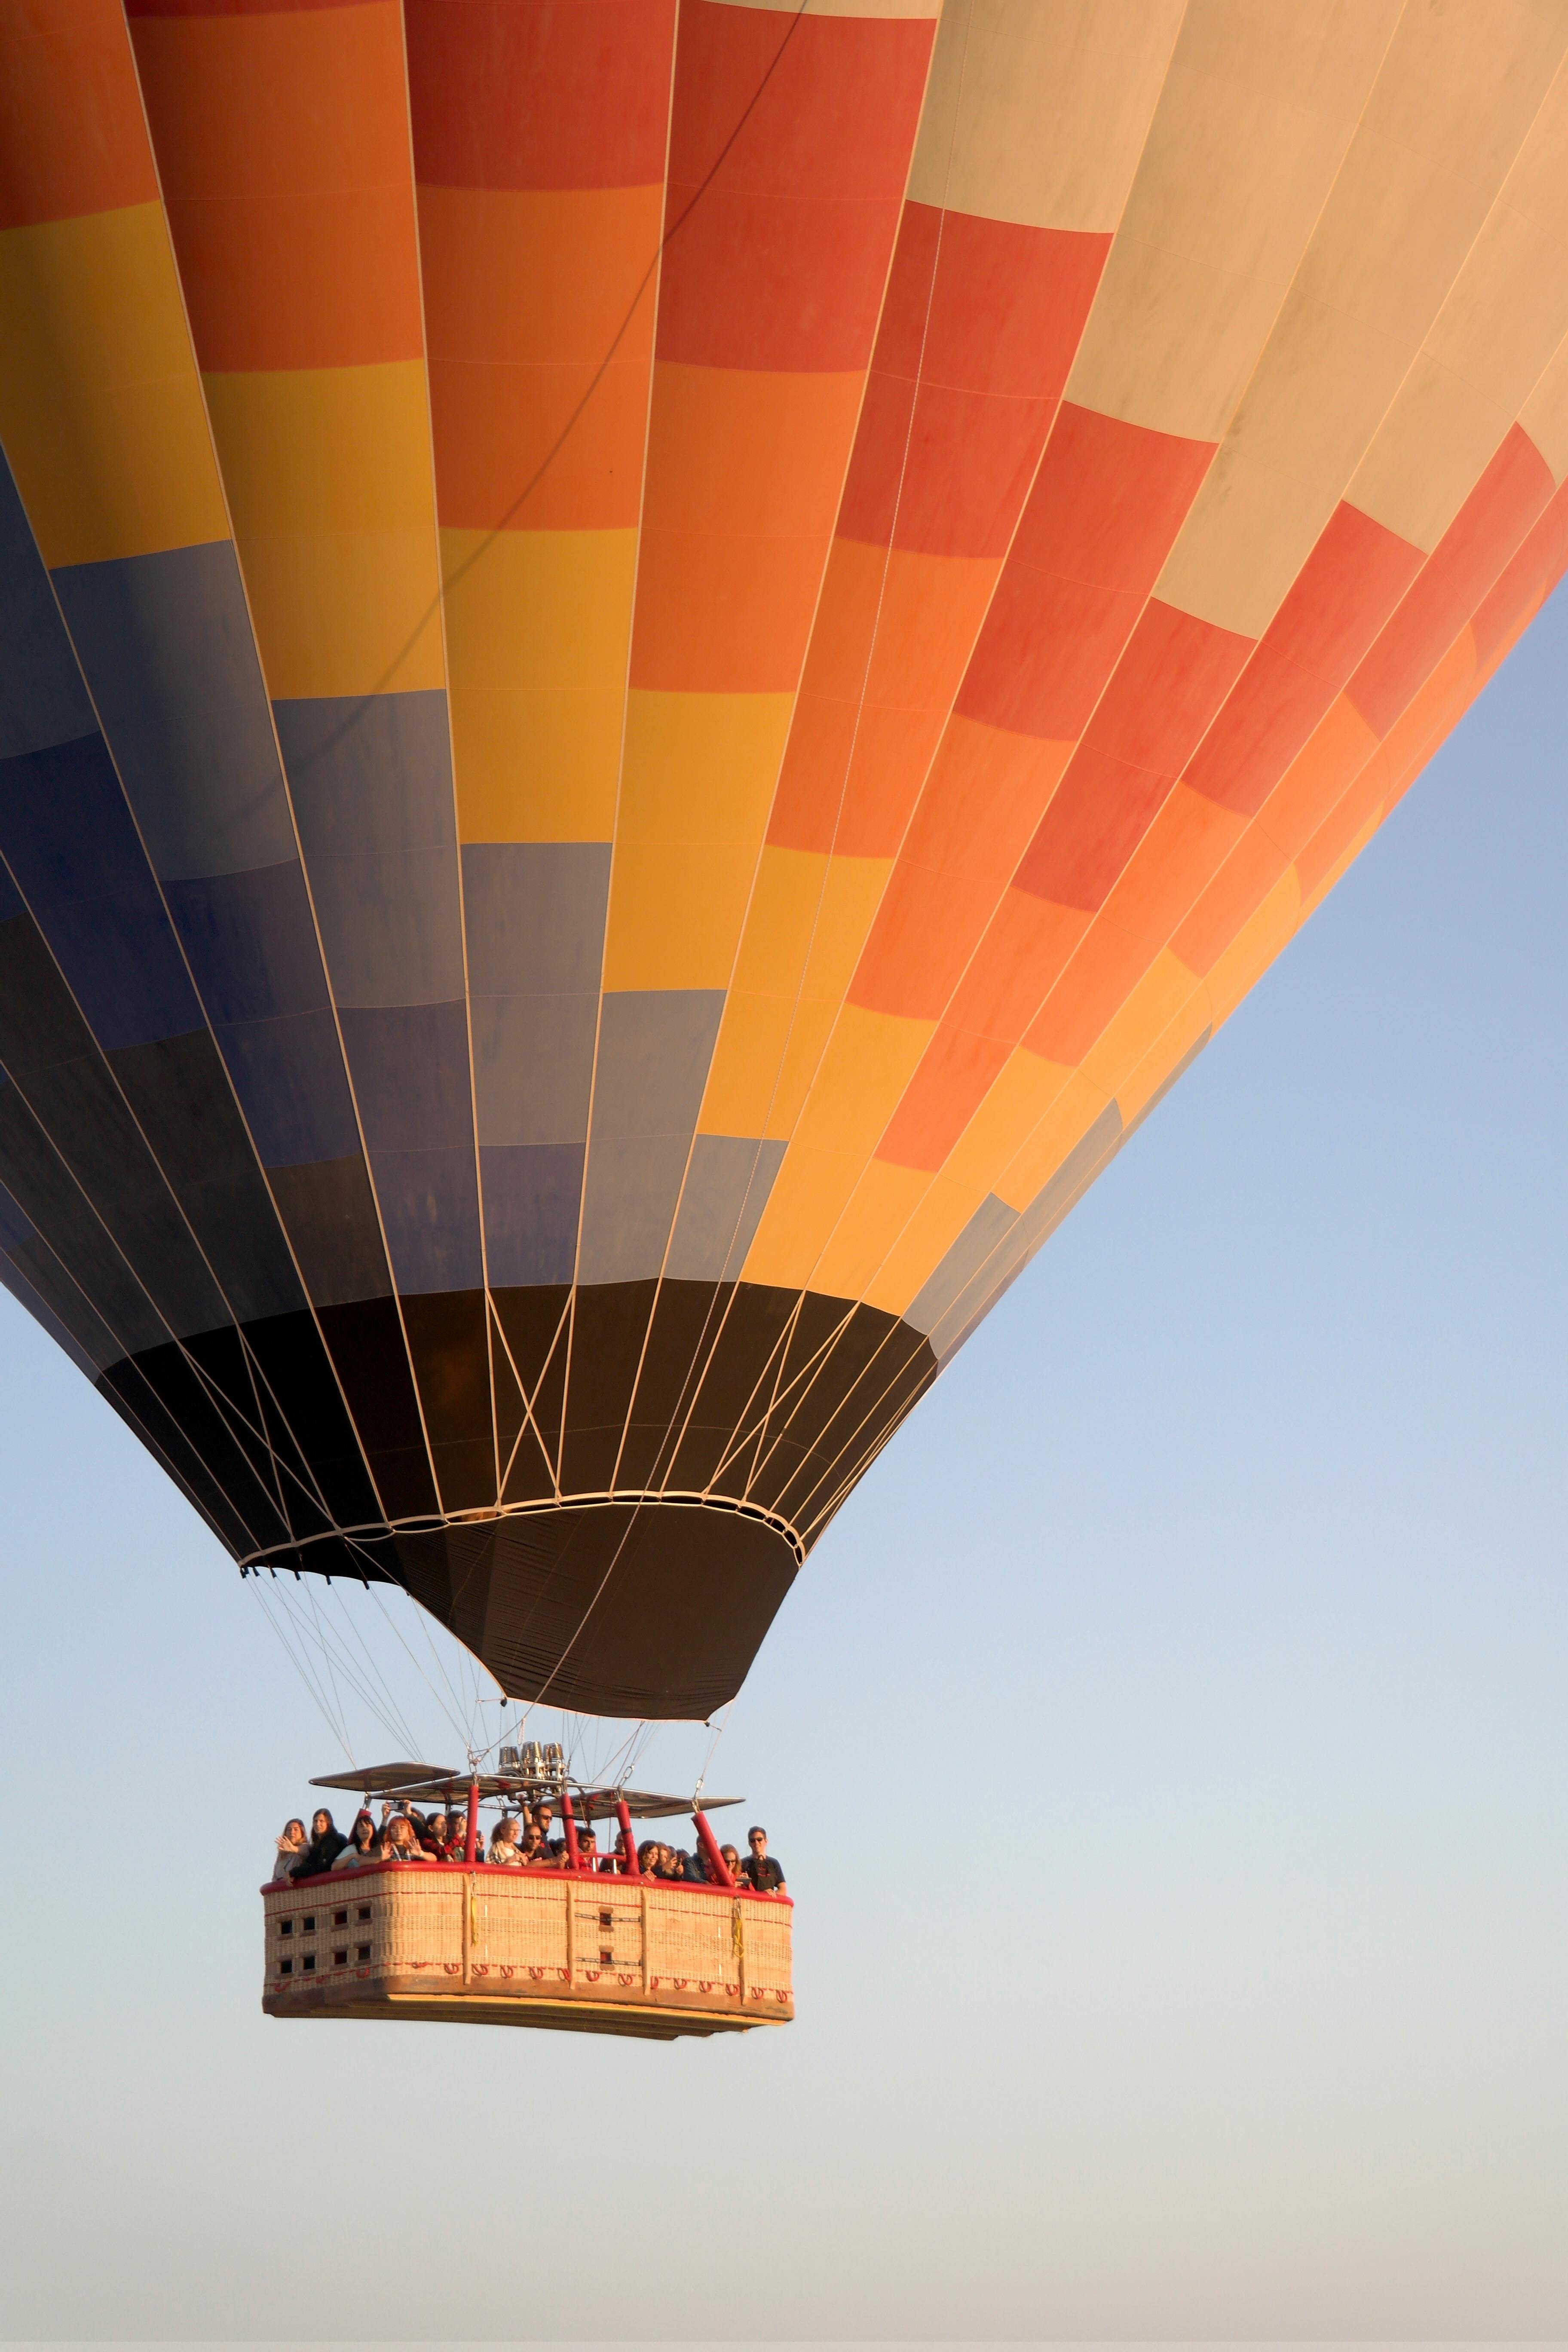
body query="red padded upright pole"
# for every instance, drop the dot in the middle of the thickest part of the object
(628, 1842)
(573, 1858)
(470, 1843)
(710, 1844)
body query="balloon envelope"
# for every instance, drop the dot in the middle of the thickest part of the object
(660, 669)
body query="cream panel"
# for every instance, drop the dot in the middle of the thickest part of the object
(1544, 415)
(1452, 106)
(1258, 109)
(1489, 345)
(1037, 112)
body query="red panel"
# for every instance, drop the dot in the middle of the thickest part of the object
(981, 804)
(1174, 675)
(571, 94)
(956, 1072)
(926, 927)
(1343, 594)
(955, 482)
(1005, 319)
(73, 138)
(1025, 948)
(237, 8)
(1107, 504)
(790, 144)
(1462, 567)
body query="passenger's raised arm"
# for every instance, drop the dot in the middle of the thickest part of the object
(287, 1849)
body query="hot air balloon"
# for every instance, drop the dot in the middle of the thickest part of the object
(663, 662)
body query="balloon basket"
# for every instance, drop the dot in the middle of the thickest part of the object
(582, 1952)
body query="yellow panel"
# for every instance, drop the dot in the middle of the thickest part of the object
(1336, 873)
(1258, 110)
(536, 766)
(1069, 1119)
(697, 783)
(1453, 104)
(866, 1067)
(767, 1054)
(808, 919)
(1181, 1034)
(676, 910)
(537, 629)
(1127, 1036)
(1255, 947)
(870, 1062)
(874, 1215)
(328, 481)
(101, 405)
(1039, 114)
(1023, 1093)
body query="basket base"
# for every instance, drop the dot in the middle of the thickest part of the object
(563, 2016)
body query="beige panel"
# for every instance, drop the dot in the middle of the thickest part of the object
(1496, 331)
(1544, 415)
(1259, 107)
(1453, 105)
(1037, 109)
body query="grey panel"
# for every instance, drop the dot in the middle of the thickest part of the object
(655, 1047)
(534, 915)
(165, 644)
(1033, 1229)
(390, 926)
(180, 1095)
(985, 1231)
(532, 1193)
(372, 785)
(430, 1209)
(410, 1069)
(45, 702)
(721, 1203)
(328, 1211)
(369, 772)
(534, 1067)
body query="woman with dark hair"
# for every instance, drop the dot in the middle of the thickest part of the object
(362, 1847)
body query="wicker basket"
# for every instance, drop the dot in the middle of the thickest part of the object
(503, 1947)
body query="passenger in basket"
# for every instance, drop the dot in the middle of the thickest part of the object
(362, 1845)
(505, 1851)
(545, 1819)
(432, 1836)
(534, 1852)
(398, 1842)
(763, 1876)
(327, 1842)
(731, 1863)
(287, 1851)
(587, 1851)
(647, 1857)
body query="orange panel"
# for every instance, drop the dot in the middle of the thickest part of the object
(282, 143)
(70, 62)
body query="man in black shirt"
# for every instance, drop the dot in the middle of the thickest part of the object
(761, 1874)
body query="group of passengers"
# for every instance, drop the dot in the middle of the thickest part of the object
(523, 1841)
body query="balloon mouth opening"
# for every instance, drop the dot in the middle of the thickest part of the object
(642, 1605)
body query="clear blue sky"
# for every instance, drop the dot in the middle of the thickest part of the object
(1167, 1746)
